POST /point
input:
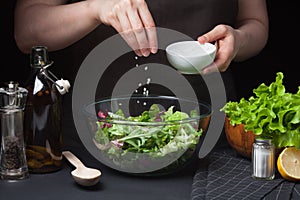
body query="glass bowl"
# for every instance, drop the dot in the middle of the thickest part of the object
(146, 135)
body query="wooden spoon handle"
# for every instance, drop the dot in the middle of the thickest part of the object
(72, 159)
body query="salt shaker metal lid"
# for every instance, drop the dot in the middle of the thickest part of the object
(259, 140)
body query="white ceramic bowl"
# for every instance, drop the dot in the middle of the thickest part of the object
(190, 57)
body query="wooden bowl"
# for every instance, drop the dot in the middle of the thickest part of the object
(239, 139)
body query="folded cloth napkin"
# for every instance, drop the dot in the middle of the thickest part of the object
(223, 174)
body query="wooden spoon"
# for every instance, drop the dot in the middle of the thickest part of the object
(83, 175)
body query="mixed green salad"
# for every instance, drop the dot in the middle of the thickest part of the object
(155, 132)
(272, 112)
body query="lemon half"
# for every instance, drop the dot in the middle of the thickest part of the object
(288, 164)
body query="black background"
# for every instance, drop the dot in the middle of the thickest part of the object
(280, 54)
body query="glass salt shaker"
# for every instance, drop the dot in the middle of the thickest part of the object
(263, 159)
(13, 163)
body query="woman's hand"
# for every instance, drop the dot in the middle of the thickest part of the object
(133, 20)
(245, 41)
(228, 43)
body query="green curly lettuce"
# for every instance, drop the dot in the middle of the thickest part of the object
(270, 112)
(160, 140)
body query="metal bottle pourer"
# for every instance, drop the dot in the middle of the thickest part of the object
(61, 84)
(39, 58)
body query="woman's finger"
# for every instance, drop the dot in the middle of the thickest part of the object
(149, 26)
(127, 33)
(139, 31)
(215, 34)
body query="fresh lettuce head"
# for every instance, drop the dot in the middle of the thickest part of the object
(270, 112)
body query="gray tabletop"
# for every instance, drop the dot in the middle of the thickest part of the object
(113, 184)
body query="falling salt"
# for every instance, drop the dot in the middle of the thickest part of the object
(148, 81)
(146, 92)
(144, 103)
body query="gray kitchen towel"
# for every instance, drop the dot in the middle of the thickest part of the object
(223, 174)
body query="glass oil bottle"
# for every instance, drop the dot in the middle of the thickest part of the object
(42, 116)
